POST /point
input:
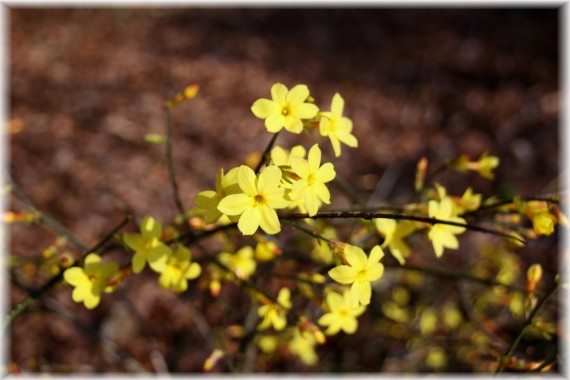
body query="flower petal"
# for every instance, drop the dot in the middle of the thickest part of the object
(314, 159)
(355, 257)
(269, 221)
(298, 94)
(262, 108)
(362, 291)
(268, 179)
(235, 204)
(374, 272)
(138, 262)
(247, 180)
(311, 201)
(133, 241)
(300, 166)
(304, 110)
(249, 221)
(293, 124)
(375, 254)
(193, 271)
(326, 173)
(75, 276)
(334, 301)
(279, 93)
(275, 122)
(337, 105)
(207, 199)
(349, 325)
(343, 274)
(150, 228)
(322, 192)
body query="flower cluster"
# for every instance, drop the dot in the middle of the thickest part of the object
(174, 266)
(297, 181)
(299, 178)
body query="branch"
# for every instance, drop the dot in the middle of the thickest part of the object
(263, 159)
(373, 215)
(32, 296)
(170, 162)
(526, 324)
(50, 222)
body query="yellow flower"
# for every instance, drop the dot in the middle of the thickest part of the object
(179, 270)
(275, 314)
(543, 223)
(311, 185)
(338, 128)
(303, 345)
(483, 166)
(256, 205)
(360, 271)
(468, 201)
(287, 109)
(443, 235)
(241, 263)
(209, 199)
(322, 252)
(148, 247)
(341, 315)
(266, 250)
(282, 158)
(91, 280)
(394, 233)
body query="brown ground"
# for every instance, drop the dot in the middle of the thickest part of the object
(89, 84)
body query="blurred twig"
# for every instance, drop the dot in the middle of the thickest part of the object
(526, 324)
(170, 162)
(32, 296)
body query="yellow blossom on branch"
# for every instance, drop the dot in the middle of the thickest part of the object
(241, 262)
(209, 199)
(484, 166)
(179, 269)
(443, 235)
(394, 233)
(287, 108)
(147, 246)
(336, 127)
(274, 314)
(360, 271)
(341, 315)
(90, 281)
(303, 345)
(256, 205)
(311, 186)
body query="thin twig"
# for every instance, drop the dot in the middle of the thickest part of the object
(429, 271)
(373, 215)
(170, 162)
(263, 157)
(526, 324)
(50, 222)
(32, 296)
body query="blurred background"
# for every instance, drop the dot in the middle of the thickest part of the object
(86, 85)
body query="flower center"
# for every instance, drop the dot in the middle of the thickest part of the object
(259, 199)
(285, 111)
(311, 179)
(361, 275)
